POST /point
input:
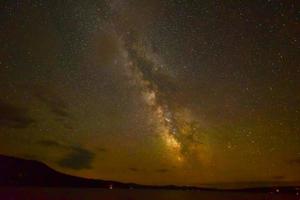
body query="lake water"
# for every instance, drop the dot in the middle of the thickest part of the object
(120, 194)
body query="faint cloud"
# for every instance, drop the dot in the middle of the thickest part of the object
(56, 105)
(68, 127)
(78, 159)
(101, 149)
(295, 161)
(50, 143)
(133, 169)
(278, 177)
(163, 170)
(12, 116)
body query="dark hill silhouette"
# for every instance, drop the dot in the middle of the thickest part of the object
(22, 172)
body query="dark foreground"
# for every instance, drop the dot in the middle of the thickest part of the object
(93, 194)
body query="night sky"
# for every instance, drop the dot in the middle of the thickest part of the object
(178, 92)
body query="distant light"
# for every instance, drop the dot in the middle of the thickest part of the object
(111, 187)
(277, 190)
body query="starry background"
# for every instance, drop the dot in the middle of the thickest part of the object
(153, 92)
